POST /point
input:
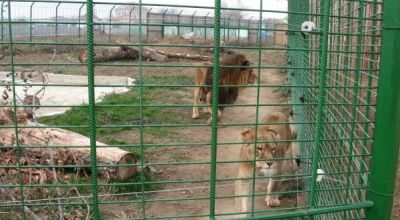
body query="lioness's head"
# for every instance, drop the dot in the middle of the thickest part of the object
(82, 56)
(265, 152)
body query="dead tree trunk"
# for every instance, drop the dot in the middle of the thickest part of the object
(104, 54)
(111, 161)
(186, 56)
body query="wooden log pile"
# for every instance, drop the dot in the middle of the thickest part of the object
(112, 162)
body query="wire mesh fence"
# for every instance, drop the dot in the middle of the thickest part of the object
(266, 109)
(67, 20)
(338, 75)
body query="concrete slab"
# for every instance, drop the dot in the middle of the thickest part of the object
(64, 90)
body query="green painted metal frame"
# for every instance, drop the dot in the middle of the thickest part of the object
(110, 23)
(56, 24)
(382, 177)
(205, 29)
(147, 22)
(30, 20)
(130, 22)
(141, 129)
(321, 101)
(179, 22)
(79, 20)
(2, 19)
(215, 106)
(15, 124)
(163, 19)
(92, 107)
(192, 21)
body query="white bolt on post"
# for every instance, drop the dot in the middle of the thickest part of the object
(308, 26)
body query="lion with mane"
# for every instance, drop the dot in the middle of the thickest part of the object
(234, 72)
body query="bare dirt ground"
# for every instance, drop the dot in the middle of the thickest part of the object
(200, 154)
(194, 196)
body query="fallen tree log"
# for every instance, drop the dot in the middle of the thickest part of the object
(112, 162)
(149, 54)
(103, 54)
(186, 56)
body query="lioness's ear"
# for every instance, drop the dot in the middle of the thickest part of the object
(265, 129)
(248, 135)
(273, 133)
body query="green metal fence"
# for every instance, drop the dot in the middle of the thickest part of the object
(117, 20)
(114, 138)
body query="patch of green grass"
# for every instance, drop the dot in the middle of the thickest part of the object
(118, 118)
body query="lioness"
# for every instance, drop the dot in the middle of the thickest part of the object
(265, 157)
(228, 76)
(82, 57)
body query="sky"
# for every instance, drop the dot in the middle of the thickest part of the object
(46, 10)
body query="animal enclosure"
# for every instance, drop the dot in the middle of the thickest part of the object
(144, 110)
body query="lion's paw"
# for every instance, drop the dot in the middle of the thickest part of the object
(273, 201)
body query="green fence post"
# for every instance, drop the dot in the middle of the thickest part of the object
(79, 21)
(355, 94)
(214, 116)
(254, 174)
(109, 24)
(205, 29)
(179, 22)
(2, 19)
(321, 102)
(92, 108)
(224, 24)
(130, 22)
(193, 21)
(248, 30)
(387, 121)
(30, 21)
(229, 28)
(163, 22)
(56, 31)
(372, 58)
(147, 22)
(141, 102)
(240, 24)
(14, 106)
